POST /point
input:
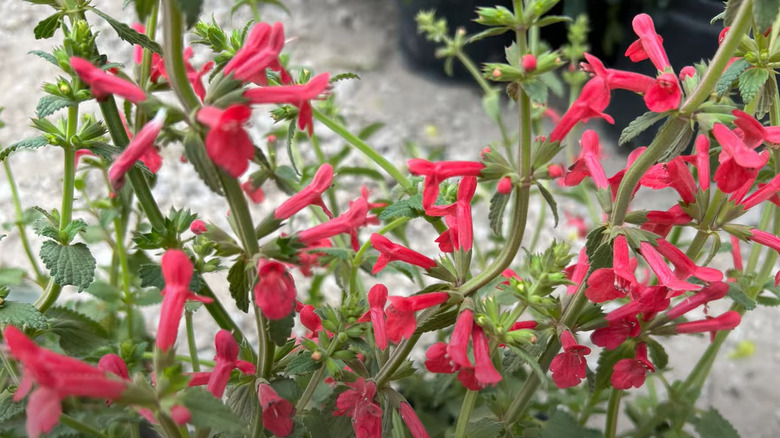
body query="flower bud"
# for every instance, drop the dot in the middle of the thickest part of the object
(529, 62)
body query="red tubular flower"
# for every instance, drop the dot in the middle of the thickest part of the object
(292, 94)
(726, 321)
(438, 361)
(226, 360)
(412, 421)
(138, 51)
(739, 163)
(665, 94)
(196, 76)
(103, 85)
(613, 335)
(461, 212)
(684, 266)
(569, 367)
(57, 377)
(648, 302)
(275, 290)
(114, 364)
(665, 275)
(140, 146)
(649, 44)
(505, 186)
(198, 227)
(310, 320)
(348, 222)
(377, 298)
(577, 272)
(358, 403)
(389, 251)
(764, 193)
(736, 253)
(278, 412)
(437, 172)
(687, 72)
(703, 161)
(227, 143)
(628, 373)
(713, 292)
(259, 52)
(588, 163)
(606, 284)
(310, 195)
(484, 370)
(458, 348)
(177, 271)
(592, 102)
(255, 194)
(401, 322)
(674, 174)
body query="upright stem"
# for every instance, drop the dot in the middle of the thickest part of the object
(400, 354)
(121, 254)
(19, 222)
(81, 427)
(469, 401)
(174, 55)
(613, 412)
(191, 341)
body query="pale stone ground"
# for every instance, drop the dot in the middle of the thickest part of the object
(358, 36)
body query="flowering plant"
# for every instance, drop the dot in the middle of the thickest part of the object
(343, 295)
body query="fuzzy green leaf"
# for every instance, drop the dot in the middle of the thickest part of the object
(196, 154)
(127, 33)
(658, 355)
(730, 75)
(484, 428)
(45, 55)
(343, 77)
(50, 104)
(28, 143)
(46, 27)
(536, 90)
(437, 322)
(607, 361)
(491, 104)
(209, 412)
(69, 264)
(242, 399)
(750, 83)
(765, 13)
(239, 284)
(302, 363)
(22, 315)
(280, 329)
(191, 10)
(711, 424)
(409, 207)
(548, 197)
(562, 424)
(732, 7)
(79, 335)
(326, 425)
(8, 408)
(498, 204)
(740, 297)
(639, 125)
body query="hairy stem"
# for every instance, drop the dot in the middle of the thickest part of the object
(613, 412)
(469, 401)
(40, 278)
(81, 427)
(191, 341)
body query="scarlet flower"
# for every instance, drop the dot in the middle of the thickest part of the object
(629, 373)
(226, 360)
(606, 284)
(458, 348)
(389, 251)
(57, 377)
(684, 267)
(140, 146)
(177, 271)
(592, 102)
(687, 72)
(588, 163)
(661, 222)
(674, 174)
(195, 77)
(736, 254)
(275, 290)
(377, 298)
(665, 94)
(703, 161)
(198, 227)
(103, 85)
(438, 361)
(259, 52)
(764, 192)
(616, 332)
(726, 321)
(576, 273)
(460, 211)
(437, 172)
(401, 322)
(358, 403)
(713, 292)
(309, 195)
(649, 44)
(347, 222)
(569, 367)
(412, 421)
(739, 163)
(227, 143)
(484, 371)
(277, 412)
(292, 94)
(114, 364)
(138, 51)
(254, 193)
(648, 301)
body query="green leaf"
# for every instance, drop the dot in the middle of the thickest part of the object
(11, 276)
(498, 204)
(740, 297)
(550, 201)
(679, 144)
(239, 284)
(45, 55)
(765, 13)
(143, 8)
(49, 104)
(127, 33)
(209, 412)
(22, 316)
(607, 361)
(711, 424)
(290, 138)
(409, 207)
(196, 154)
(536, 90)
(302, 363)
(750, 83)
(325, 425)
(657, 354)
(46, 27)
(28, 143)
(344, 76)
(562, 424)
(280, 329)
(639, 125)
(242, 399)
(69, 264)
(79, 335)
(370, 130)
(438, 322)
(730, 75)
(8, 408)
(191, 9)
(484, 428)
(732, 7)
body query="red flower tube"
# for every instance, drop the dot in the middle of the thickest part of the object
(458, 347)
(227, 143)
(141, 144)
(484, 371)
(260, 51)
(437, 172)
(275, 290)
(358, 403)
(412, 421)
(310, 195)
(401, 322)
(649, 44)
(592, 102)
(292, 94)
(389, 251)
(226, 360)
(726, 321)
(569, 367)
(377, 298)
(714, 292)
(628, 373)
(103, 85)
(277, 412)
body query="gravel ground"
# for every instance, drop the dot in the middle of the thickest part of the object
(358, 36)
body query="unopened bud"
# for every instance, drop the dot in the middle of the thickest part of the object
(496, 73)
(529, 62)
(505, 186)
(316, 355)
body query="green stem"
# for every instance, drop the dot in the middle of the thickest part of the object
(121, 254)
(755, 250)
(182, 358)
(40, 278)
(400, 354)
(367, 150)
(613, 412)
(310, 388)
(173, 46)
(538, 229)
(146, 61)
(191, 341)
(469, 401)
(80, 427)
(221, 316)
(169, 426)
